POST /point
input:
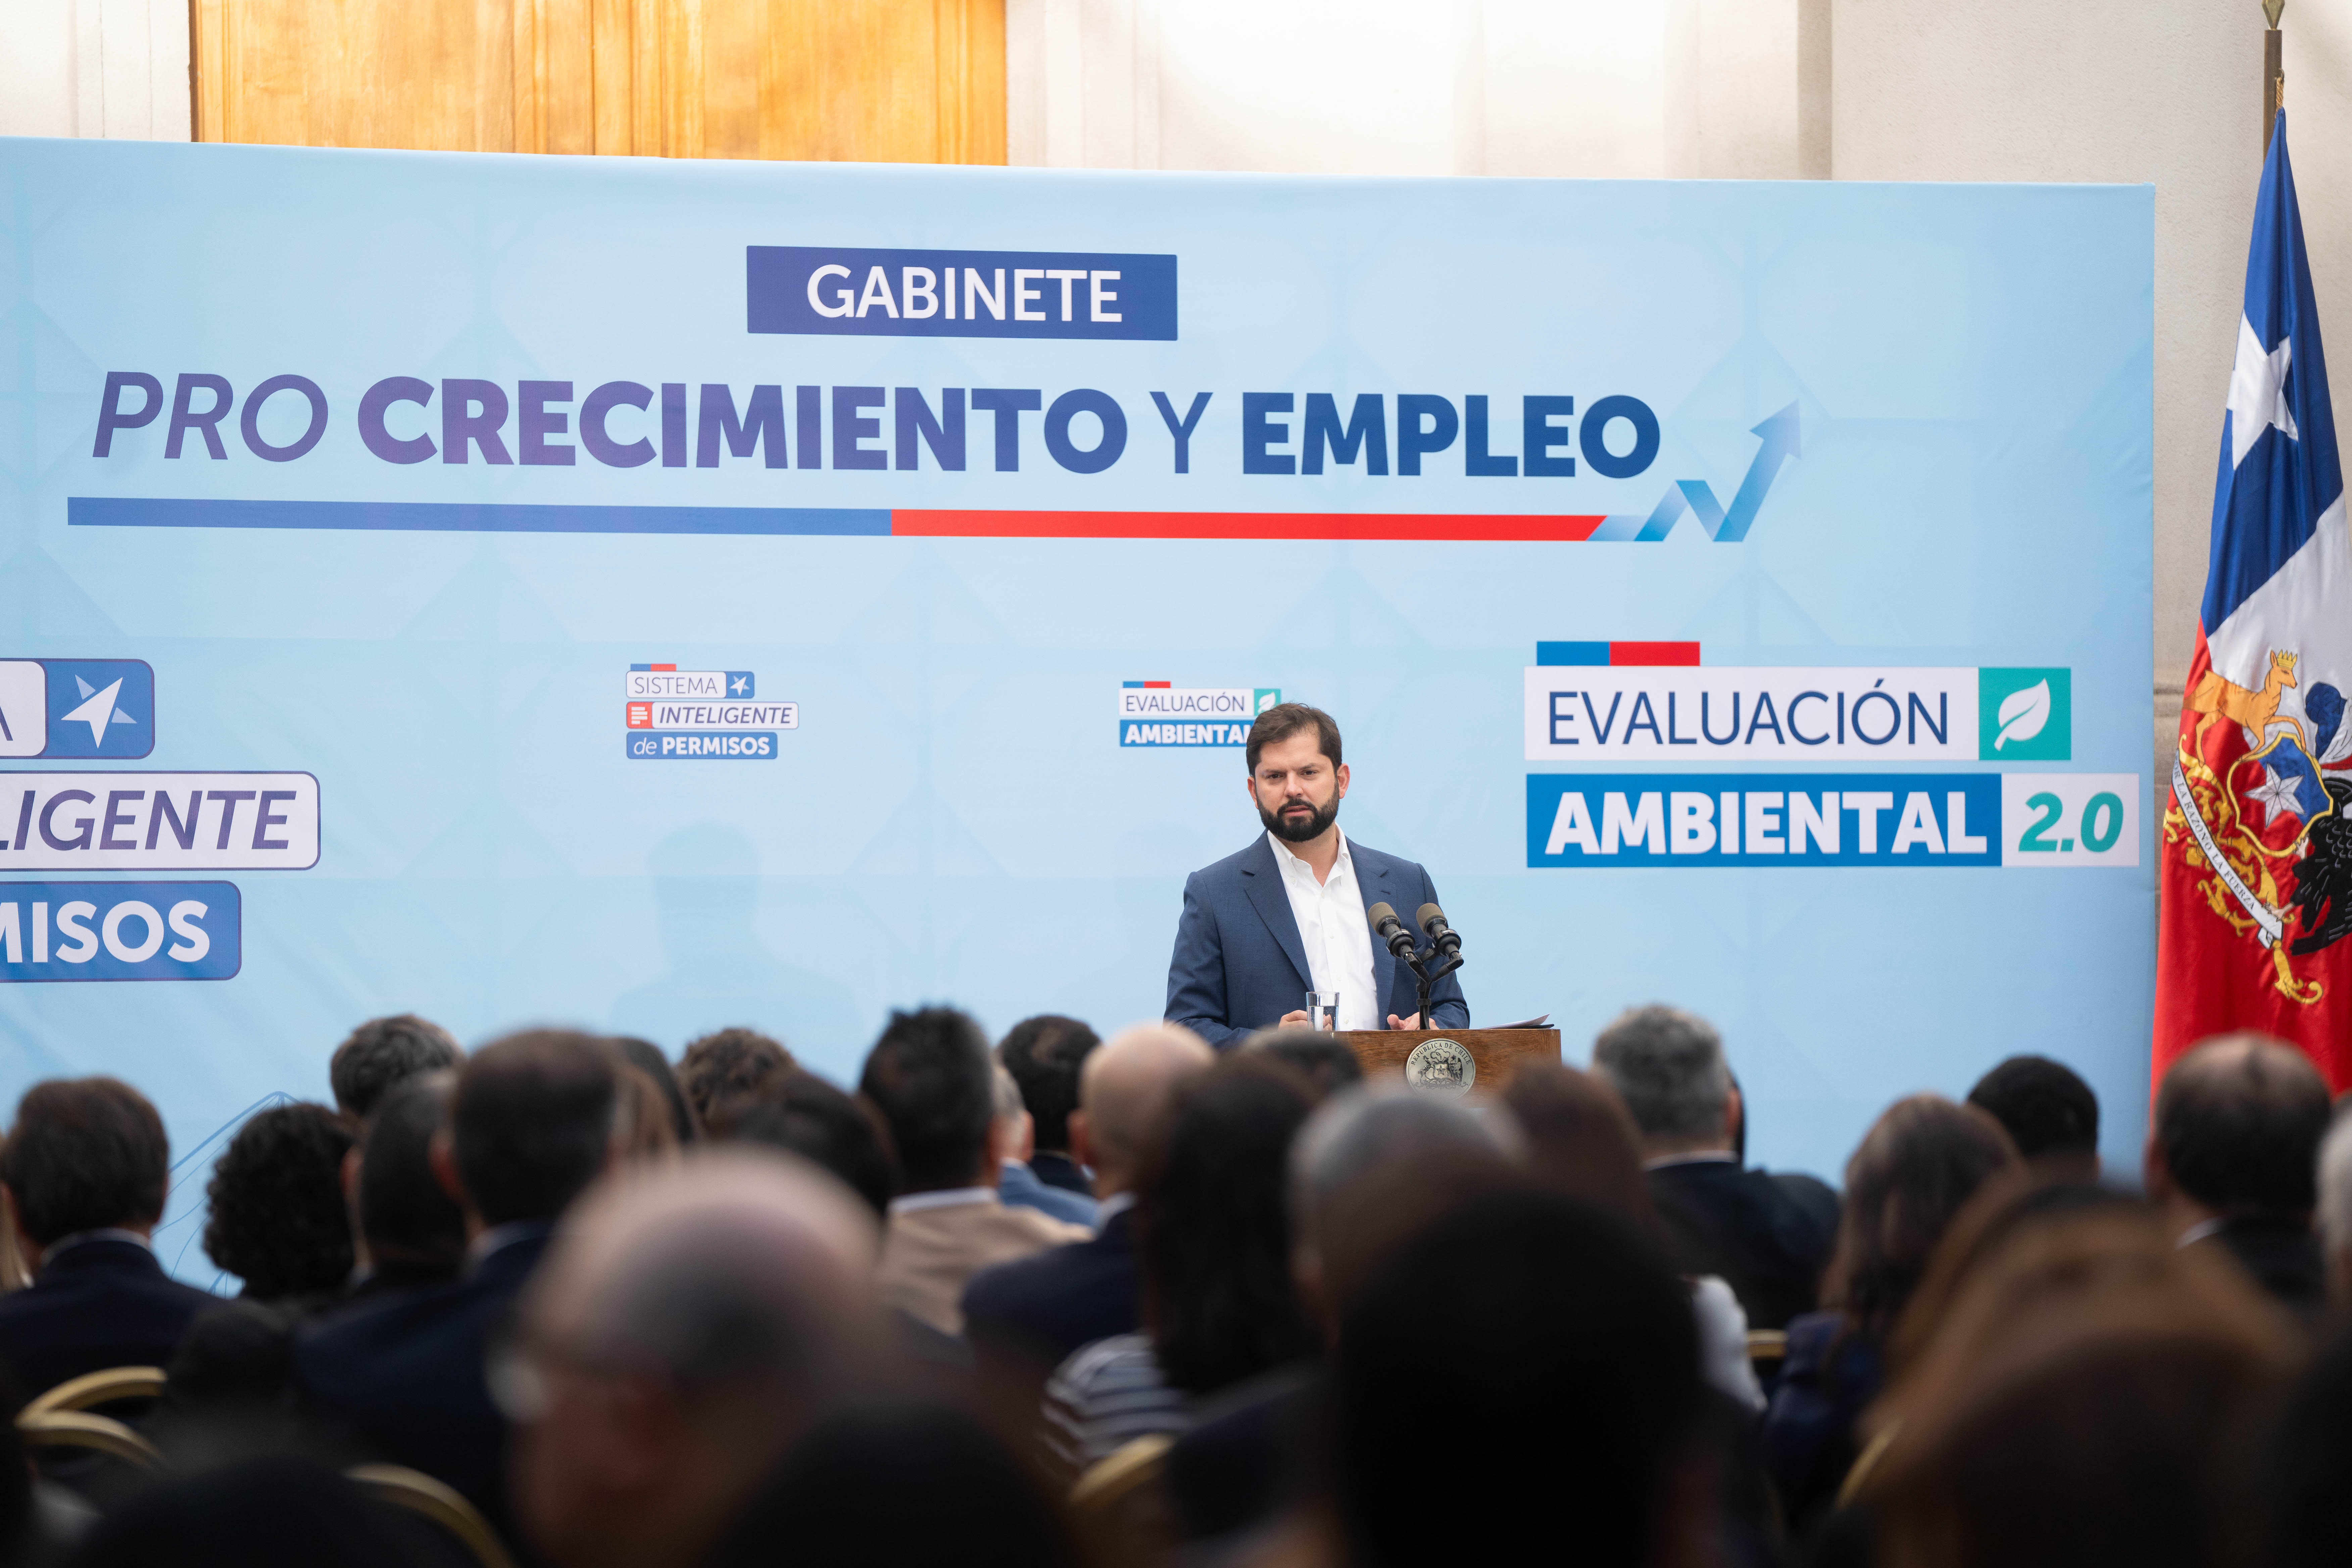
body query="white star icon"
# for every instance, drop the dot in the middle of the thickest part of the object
(96, 710)
(2257, 391)
(2282, 795)
(739, 684)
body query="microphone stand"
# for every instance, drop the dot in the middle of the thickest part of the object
(1418, 962)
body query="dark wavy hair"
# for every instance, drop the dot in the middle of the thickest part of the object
(277, 1194)
(1212, 1230)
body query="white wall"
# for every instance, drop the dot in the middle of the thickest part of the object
(2163, 91)
(1601, 88)
(94, 68)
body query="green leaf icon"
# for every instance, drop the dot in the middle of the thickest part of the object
(2023, 714)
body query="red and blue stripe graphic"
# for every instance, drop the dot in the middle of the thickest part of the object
(480, 517)
(1620, 654)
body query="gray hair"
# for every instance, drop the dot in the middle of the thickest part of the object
(1364, 1129)
(2335, 1214)
(1009, 1103)
(1667, 1065)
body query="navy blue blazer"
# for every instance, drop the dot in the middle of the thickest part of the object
(96, 1304)
(1022, 1319)
(1240, 963)
(404, 1376)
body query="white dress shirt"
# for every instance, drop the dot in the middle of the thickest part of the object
(1330, 916)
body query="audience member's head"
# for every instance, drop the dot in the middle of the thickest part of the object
(801, 1114)
(1212, 1238)
(1667, 1065)
(274, 1512)
(728, 1062)
(2116, 1266)
(690, 1323)
(531, 1123)
(2048, 1111)
(647, 1059)
(1122, 1090)
(646, 1130)
(931, 1076)
(278, 1220)
(2333, 1214)
(2238, 1125)
(1918, 1164)
(2010, 1204)
(407, 1220)
(381, 1053)
(1044, 1054)
(84, 1154)
(842, 1499)
(1373, 1166)
(1315, 1055)
(1016, 1131)
(2076, 1405)
(1580, 1142)
(1528, 1314)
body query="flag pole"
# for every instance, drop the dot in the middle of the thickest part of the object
(2274, 72)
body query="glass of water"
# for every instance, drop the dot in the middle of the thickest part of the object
(1323, 1011)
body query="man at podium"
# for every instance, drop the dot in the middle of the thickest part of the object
(1287, 915)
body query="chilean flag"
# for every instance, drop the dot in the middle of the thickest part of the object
(2256, 878)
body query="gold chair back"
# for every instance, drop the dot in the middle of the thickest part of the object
(93, 1389)
(420, 1494)
(95, 1433)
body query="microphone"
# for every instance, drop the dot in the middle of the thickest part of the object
(1432, 921)
(1391, 930)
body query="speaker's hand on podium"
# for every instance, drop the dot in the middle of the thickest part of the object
(1295, 1019)
(1397, 1023)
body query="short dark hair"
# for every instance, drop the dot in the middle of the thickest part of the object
(1044, 1054)
(278, 1217)
(798, 1111)
(2239, 1120)
(405, 1213)
(2044, 1105)
(931, 1076)
(1327, 1066)
(1212, 1229)
(384, 1052)
(647, 1059)
(85, 1153)
(1285, 719)
(531, 1123)
(1581, 1315)
(1912, 1172)
(725, 1062)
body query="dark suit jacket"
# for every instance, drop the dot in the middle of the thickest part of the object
(402, 1377)
(1768, 1244)
(2282, 1256)
(96, 1304)
(1023, 1317)
(1058, 1170)
(1240, 963)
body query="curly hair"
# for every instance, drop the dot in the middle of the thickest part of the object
(277, 1197)
(728, 1062)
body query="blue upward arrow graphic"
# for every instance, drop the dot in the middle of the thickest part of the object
(1782, 441)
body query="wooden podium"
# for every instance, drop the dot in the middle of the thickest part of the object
(1407, 1055)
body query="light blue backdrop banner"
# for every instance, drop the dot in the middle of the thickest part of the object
(658, 596)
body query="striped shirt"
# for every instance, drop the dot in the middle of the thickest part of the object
(1105, 1396)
